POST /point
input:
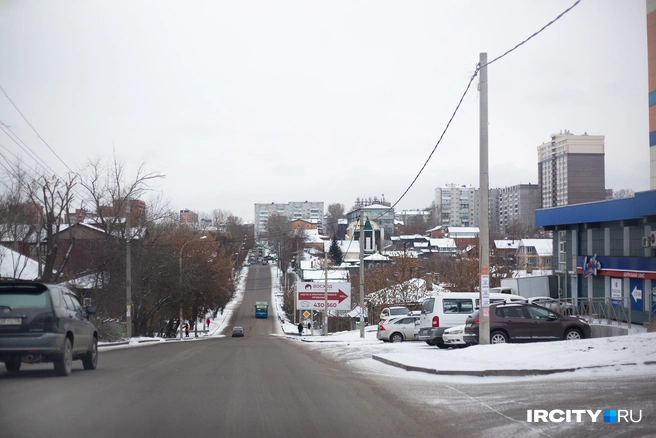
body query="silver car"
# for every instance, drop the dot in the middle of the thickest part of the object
(453, 337)
(398, 329)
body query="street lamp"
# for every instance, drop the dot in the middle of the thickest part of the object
(180, 281)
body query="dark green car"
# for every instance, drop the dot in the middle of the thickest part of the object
(45, 323)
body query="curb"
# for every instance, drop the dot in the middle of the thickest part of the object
(158, 341)
(483, 373)
(486, 373)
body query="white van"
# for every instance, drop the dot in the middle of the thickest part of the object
(443, 310)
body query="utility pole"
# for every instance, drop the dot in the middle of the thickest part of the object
(128, 272)
(484, 237)
(362, 272)
(325, 294)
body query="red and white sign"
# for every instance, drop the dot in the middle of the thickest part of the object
(312, 296)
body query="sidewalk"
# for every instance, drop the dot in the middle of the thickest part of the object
(629, 353)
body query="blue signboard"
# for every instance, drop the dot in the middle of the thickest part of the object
(636, 294)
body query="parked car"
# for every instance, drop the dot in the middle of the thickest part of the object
(45, 323)
(398, 329)
(515, 322)
(237, 332)
(557, 306)
(444, 310)
(388, 312)
(453, 337)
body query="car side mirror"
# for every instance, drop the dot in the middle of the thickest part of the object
(552, 317)
(90, 310)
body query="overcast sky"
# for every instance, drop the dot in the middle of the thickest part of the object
(243, 102)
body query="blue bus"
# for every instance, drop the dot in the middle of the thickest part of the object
(261, 309)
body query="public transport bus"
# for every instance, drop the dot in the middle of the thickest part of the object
(261, 309)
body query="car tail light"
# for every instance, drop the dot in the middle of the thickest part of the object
(436, 321)
(381, 328)
(44, 321)
(476, 320)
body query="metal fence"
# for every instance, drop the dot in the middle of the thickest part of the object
(598, 310)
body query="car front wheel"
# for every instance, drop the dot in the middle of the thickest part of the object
(396, 337)
(572, 335)
(498, 338)
(64, 363)
(13, 365)
(90, 360)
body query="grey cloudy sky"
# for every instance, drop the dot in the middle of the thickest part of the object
(240, 102)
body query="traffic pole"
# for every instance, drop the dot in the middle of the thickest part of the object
(484, 236)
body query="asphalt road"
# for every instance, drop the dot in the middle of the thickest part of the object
(269, 386)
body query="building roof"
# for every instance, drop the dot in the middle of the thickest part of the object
(543, 247)
(641, 205)
(463, 230)
(376, 257)
(347, 246)
(313, 236)
(409, 237)
(506, 244)
(443, 243)
(333, 274)
(16, 265)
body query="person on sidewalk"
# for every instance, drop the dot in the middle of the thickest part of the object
(208, 323)
(186, 327)
(300, 328)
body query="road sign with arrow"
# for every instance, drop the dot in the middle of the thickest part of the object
(312, 295)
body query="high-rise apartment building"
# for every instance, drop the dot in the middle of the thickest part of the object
(510, 208)
(456, 205)
(651, 68)
(571, 169)
(516, 208)
(310, 211)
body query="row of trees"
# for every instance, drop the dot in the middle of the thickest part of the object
(172, 265)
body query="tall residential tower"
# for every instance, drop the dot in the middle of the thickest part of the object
(571, 169)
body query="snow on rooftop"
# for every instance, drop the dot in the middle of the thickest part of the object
(543, 247)
(16, 265)
(443, 243)
(506, 244)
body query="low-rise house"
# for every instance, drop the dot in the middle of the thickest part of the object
(534, 254)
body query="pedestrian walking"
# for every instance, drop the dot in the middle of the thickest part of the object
(309, 327)
(208, 323)
(300, 328)
(186, 327)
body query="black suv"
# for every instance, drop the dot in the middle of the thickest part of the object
(45, 323)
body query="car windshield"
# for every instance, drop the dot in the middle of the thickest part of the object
(399, 311)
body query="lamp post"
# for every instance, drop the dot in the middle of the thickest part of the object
(180, 281)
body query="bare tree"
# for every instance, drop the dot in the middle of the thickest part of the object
(398, 282)
(335, 212)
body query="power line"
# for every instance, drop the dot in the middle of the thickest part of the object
(35, 131)
(534, 34)
(26, 148)
(478, 68)
(32, 155)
